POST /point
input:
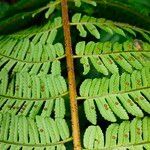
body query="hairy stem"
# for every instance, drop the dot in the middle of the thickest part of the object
(71, 76)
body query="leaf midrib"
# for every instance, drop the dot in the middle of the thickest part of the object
(33, 62)
(110, 94)
(34, 99)
(123, 146)
(110, 53)
(110, 24)
(36, 145)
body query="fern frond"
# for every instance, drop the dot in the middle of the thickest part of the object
(78, 2)
(23, 55)
(34, 98)
(30, 95)
(19, 132)
(53, 4)
(117, 95)
(50, 7)
(127, 135)
(38, 33)
(110, 57)
(92, 24)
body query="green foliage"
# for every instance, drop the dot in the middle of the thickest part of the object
(78, 2)
(44, 33)
(109, 57)
(30, 95)
(92, 24)
(21, 56)
(127, 135)
(131, 97)
(28, 133)
(112, 68)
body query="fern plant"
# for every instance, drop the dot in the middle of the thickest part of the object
(71, 79)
